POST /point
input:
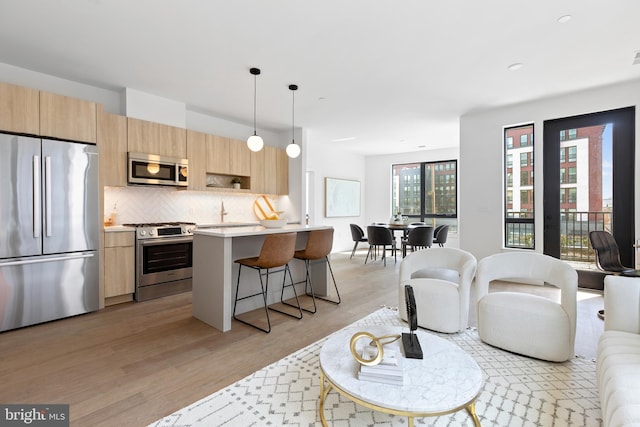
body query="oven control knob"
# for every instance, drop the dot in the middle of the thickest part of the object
(151, 232)
(142, 232)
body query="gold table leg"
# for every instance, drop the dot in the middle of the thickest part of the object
(324, 391)
(471, 409)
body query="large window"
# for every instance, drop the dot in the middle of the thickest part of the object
(518, 211)
(426, 192)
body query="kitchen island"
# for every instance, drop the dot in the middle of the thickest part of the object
(215, 274)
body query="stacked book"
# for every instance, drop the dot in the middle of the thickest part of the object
(388, 371)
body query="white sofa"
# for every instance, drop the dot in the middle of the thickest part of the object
(618, 357)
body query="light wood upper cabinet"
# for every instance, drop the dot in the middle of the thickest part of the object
(119, 256)
(112, 145)
(282, 175)
(19, 109)
(257, 172)
(156, 138)
(197, 155)
(67, 118)
(270, 169)
(218, 157)
(240, 157)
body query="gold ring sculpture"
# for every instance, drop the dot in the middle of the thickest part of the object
(379, 342)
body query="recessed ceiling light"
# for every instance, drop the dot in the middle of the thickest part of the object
(515, 66)
(564, 18)
(351, 138)
(422, 146)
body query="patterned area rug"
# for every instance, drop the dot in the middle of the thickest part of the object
(518, 391)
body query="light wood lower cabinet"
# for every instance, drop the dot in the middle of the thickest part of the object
(119, 260)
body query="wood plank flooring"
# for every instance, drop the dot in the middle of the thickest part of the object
(133, 363)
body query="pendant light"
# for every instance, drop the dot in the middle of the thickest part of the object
(254, 142)
(293, 150)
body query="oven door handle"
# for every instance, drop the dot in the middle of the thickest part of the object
(165, 241)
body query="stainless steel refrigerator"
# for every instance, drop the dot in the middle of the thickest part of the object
(49, 225)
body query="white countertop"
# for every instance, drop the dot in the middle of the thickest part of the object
(255, 230)
(115, 228)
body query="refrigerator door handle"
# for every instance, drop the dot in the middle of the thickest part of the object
(37, 260)
(47, 196)
(37, 201)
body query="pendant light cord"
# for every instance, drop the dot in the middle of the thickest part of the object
(293, 116)
(255, 91)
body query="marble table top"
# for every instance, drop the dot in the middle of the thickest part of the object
(446, 379)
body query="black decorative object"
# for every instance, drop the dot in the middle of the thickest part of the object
(412, 349)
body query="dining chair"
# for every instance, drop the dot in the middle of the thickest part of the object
(420, 237)
(380, 235)
(357, 234)
(440, 235)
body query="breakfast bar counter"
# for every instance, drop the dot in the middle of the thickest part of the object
(215, 274)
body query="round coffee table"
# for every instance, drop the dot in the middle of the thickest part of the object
(446, 380)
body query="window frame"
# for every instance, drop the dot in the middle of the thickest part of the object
(519, 221)
(444, 183)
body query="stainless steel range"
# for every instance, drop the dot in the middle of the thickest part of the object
(164, 254)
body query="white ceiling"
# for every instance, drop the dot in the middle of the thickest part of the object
(394, 75)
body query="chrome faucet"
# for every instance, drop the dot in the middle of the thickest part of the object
(222, 212)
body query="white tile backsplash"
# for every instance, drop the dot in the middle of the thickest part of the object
(138, 204)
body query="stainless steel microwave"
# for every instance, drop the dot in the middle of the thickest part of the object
(157, 170)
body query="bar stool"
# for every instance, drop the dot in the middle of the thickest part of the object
(319, 244)
(277, 250)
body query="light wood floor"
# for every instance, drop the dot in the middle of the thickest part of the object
(134, 363)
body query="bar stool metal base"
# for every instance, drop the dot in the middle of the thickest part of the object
(264, 287)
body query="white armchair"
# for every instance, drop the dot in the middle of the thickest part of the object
(522, 323)
(441, 279)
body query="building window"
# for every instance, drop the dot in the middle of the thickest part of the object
(562, 155)
(519, 181)
(572, 176)
(434, 195)
(573, 133)
(572, 195)
(573, 153)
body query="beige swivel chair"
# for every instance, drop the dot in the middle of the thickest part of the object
(318, 248)
(523, 323)
(277, 250)
(441, 280)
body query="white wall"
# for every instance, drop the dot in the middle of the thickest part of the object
(481, 160)
(326, 159)
(378, 178)
(23, 77)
